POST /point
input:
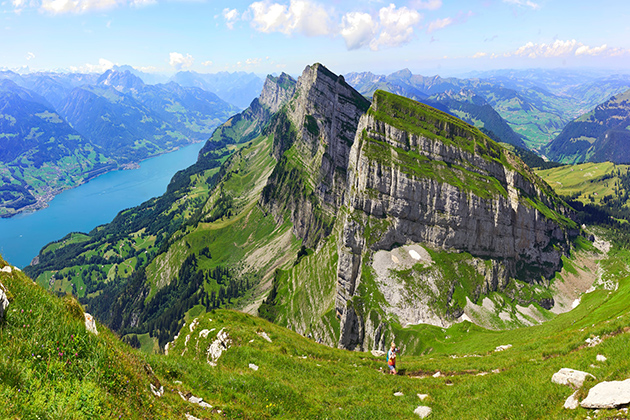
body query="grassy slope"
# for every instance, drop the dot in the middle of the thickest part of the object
(586, 180)
(298, 378)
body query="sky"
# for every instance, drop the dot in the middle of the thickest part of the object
(429, 37)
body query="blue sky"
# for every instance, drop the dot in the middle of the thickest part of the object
(426, 36)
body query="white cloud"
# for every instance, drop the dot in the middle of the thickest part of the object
(586, 50)
(29, 55)
(253, 61)
(358, 29)
(396, 26)
(300, 16)
(180, 61)
(207, 63)
(78, 6)
(560, 48)
(427, 4)
(480, 55)
(439, 24)
(230, 16)
(524, 3)
(102, 66)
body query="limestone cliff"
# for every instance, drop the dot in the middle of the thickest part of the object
(313, 134)
(432, 179)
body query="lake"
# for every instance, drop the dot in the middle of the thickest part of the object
(83, 208)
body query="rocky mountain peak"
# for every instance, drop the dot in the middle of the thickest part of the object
(276, 91)
(120, 80)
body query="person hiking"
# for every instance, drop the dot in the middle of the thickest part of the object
(391, 359)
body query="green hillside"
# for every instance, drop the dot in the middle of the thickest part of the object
(51, 368)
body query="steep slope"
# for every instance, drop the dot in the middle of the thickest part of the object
(472, 108)
(600, 135)
(205, 225)
(428, 178)
(40, 154)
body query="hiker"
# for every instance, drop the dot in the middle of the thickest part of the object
(391, 359)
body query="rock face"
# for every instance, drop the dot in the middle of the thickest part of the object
(277, 91)
(317, 129)
(4, 300)
(608, 395)
(434, 180)
(572, 377)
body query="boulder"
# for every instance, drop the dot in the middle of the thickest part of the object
(4, 300)
(608, 395)
(378, 353)
(422, 411)
(398, 394)
(566, 376)
(601, 358)
(253, 366)
(90, 325)
(571, 403)
(502, 348)
(6, 269)
(422, 396)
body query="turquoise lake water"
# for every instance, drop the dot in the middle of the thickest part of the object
(92, 204)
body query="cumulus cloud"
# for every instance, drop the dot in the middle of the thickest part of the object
(358, 29)
(426, 4)
(300, 16)
(180, 61)
(102, 66)
(396, 26)
(523, 3)
(558, 48)
(480, 55)
(207, 63)
(230, 16)
(29, 55)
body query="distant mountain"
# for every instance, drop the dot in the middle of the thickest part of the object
(40, 153)
(131, 120)
(600, 135)
(238, 88)
(473, 109)
(536, 104)
(61, 129)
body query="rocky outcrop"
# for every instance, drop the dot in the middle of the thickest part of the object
(276, 92)
(4, 301)
(566, 376)
(318, 125)
(434, 180)
(608, 395)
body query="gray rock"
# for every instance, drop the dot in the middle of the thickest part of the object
(601, 358)
(4, 300)
(608, 395)
(571, 403)
(90, 324)
(422, 411)
(378, 353)
(422, 396)
(253, 366)
(566, 376)
(158, 392)
(6, 269)
(398, 394)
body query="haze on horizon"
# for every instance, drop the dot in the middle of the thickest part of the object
(270, 36)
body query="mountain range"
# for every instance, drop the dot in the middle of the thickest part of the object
(60, 130)
(335, 209)
(536, 104)
(600, 135)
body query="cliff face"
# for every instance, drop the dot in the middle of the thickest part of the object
(312, 139)
(460, 192)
